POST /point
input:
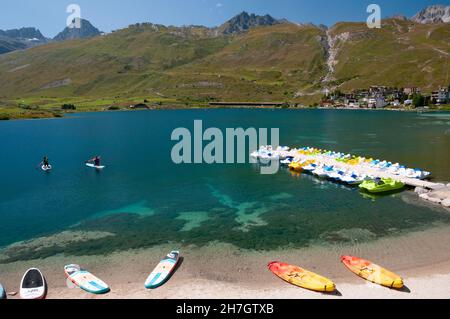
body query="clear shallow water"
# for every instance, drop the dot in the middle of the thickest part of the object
(146, 200)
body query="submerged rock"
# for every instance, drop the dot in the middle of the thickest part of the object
(446, 202)
(351, 235)
(424, 196)
(58, 241)
(435, 200)
(420, 190)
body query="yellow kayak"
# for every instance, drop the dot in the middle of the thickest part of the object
(301, 277)
(371, 272)
(295, 166)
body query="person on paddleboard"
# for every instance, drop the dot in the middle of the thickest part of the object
(95, 160)
(45, 162)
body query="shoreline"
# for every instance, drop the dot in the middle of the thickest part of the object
(223, 271)
(58, 114)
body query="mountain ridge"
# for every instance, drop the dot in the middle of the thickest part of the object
(27, 37)
(23, 38)
(433, 14)
(278, 62)
(245, 21)
(20, 39)
(86, 30)
(23, 33)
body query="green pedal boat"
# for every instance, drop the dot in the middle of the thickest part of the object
(382, 185)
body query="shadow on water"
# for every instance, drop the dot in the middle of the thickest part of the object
(322, 180)
(374, 197)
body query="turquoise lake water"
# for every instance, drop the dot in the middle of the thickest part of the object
(145, 199)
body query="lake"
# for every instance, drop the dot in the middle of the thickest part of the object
(144, 199)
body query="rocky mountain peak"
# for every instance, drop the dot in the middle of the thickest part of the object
(433, 14)
(86, 30)
(245, 21)
(23, 34)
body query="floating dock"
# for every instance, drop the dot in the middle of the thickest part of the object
(373, 171)
(438, 193)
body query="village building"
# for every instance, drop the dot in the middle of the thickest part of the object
(378, 97)
(395, 103)
(440, 96)
(408, 102)
(376, 90)
(411, 90)
(377, 103)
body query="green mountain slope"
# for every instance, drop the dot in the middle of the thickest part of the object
(266, 63)
(282, 62)
(112, 64)
(401, 53)
(270, 62)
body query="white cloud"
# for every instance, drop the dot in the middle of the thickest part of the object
(219, 5)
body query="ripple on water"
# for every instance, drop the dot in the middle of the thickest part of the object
(445, 116)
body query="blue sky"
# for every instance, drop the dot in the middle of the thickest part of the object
(50, 15)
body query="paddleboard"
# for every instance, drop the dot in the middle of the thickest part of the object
(301, 277)
(2, 292)
(33, 285)
(85, 280)
(46, 168)
(163, 271)
(94, 166)
(372, 272)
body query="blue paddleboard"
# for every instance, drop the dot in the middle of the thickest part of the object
(163, 271)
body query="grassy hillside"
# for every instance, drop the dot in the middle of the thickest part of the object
(401, 53)
(114, 64)
(267, 63)
(191, 66)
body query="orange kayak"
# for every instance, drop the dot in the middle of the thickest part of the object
(372, 272)
(301, 277)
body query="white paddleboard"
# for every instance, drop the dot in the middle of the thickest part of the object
(85, 280)
(93, 166)
(46, 168)
(163, 271)
(33, 285)
(2, 292)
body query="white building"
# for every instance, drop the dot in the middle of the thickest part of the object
(396, 103)
(378, 102)
(352, 103)
(441, 96)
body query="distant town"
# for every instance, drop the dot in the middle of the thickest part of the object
(379, 97)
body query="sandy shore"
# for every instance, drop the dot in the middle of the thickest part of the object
(222, 271)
